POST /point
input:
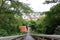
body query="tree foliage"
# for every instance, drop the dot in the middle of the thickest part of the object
(38, 26)
(11, 17)
(53, 19)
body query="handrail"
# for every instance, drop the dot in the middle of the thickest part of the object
(36, 36)
(43, 36)
(10, 37)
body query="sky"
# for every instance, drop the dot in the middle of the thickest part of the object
(37, 5)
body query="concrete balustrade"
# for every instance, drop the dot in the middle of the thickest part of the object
(11, 37)
(35, 36)
(46, 37)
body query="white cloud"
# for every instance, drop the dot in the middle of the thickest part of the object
(38, 5)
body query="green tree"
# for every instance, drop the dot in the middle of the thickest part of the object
(52, 19)
(38, 26)
(11, 17)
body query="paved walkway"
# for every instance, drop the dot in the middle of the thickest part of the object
(28, 37)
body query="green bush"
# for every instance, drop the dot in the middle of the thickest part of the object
(57, 31)
(3, 32)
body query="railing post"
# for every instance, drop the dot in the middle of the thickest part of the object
(38, 38)
(52, 39)
(43, 38)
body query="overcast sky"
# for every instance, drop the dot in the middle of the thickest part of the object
(37, 5)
